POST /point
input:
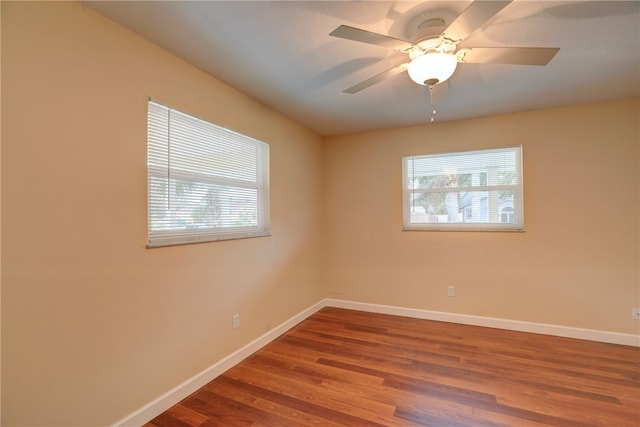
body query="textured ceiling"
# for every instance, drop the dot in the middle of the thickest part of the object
(280, 53)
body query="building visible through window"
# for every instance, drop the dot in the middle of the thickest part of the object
(475, 190)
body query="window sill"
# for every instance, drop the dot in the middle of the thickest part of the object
(178, 241)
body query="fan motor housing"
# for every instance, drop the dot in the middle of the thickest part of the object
(428, 38)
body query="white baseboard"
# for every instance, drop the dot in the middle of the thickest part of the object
(491, 322)
(166, 401)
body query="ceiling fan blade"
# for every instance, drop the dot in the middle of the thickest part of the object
(351, 33)
(508, 55)
(472, 18)
(376, 79)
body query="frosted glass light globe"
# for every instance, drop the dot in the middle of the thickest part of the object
(432, 68)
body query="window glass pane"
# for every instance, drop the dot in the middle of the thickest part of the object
(471, 206)
(204, 182)
(469, 190)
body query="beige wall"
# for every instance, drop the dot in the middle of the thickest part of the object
(577, 263)
(94, 325)
(0, 224)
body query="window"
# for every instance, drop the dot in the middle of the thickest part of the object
(473, 190)
(205, 182)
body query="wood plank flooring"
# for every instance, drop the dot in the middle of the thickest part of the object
(350, 368)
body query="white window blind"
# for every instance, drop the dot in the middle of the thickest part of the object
(205, 182)
(473, 190)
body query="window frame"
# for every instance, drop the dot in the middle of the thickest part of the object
(518, 195)
(160, 172)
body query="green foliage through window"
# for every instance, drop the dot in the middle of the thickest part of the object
(464, 191)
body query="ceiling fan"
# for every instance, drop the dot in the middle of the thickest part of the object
(434, 52)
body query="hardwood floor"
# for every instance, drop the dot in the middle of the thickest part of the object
(350, 368)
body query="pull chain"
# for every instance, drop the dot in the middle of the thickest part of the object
(432, 105)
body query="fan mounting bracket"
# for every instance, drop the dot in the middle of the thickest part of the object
(428, 38)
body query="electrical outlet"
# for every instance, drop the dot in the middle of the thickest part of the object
(451, 291)
(236, 321)
(635, 313)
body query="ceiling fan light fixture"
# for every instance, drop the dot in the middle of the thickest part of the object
(432, 68)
